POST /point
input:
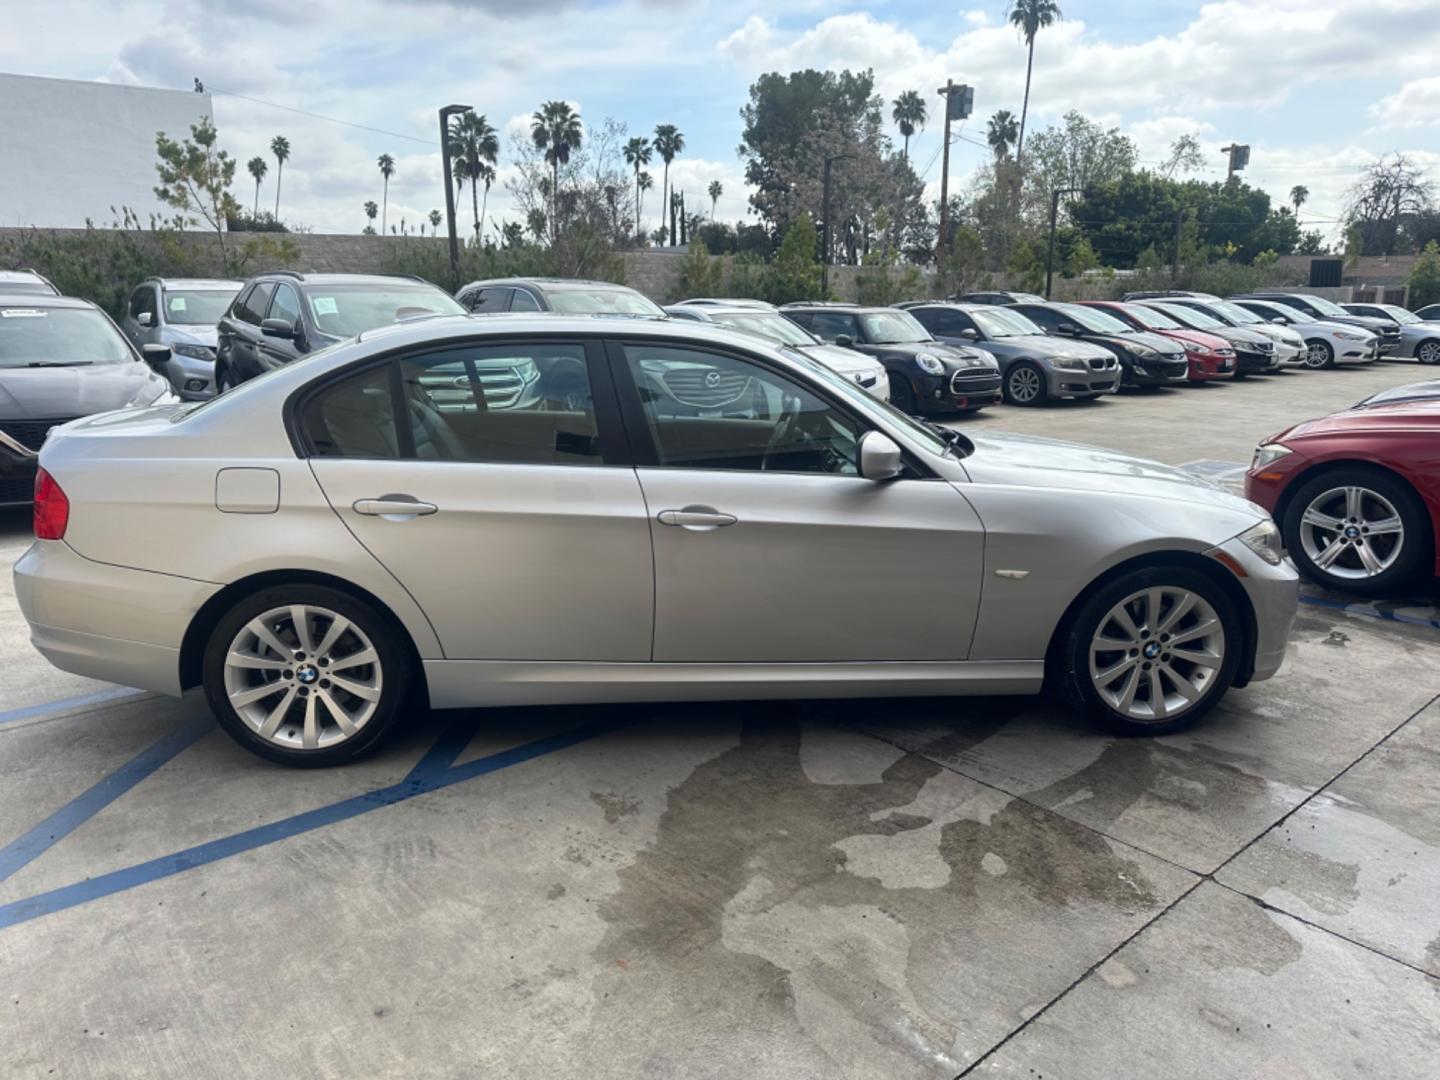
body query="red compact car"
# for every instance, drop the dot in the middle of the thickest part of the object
(1357, 494)
(1210, 357)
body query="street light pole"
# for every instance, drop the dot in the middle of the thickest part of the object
(1054, 217)
(946, 92)
(829, 232)
(445, 114)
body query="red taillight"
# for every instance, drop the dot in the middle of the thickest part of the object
(52, 508)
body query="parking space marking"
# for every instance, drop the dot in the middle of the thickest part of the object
(432, 773)
(45, 708)
(1370, 611)
(25, 849)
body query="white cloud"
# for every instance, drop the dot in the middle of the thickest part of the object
(1416, 104)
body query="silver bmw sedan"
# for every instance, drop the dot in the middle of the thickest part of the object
(521, 509)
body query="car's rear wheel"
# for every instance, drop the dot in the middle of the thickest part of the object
(1357, 530)
(1319, 354)
(902, 394)
(1152, 651)
(1025, 384)
(306, 675)
(1428, 351)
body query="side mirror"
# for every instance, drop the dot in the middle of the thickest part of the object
(155, 355)
(971, 333)
(879, 456)
(146, 318)
(1277, 319)
(844, 340)
(1069, 329)
(277, 328)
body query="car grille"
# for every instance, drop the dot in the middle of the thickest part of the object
(707, 388)
(1264, 346)
(974, 380)
(31, 433)
(1099, 364)
(501, 387)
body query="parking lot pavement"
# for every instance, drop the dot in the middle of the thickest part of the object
(813, 889)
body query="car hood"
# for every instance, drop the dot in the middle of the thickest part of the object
(1368, 322)
(1205, 338)
(845, 361)
(1244, 335)
(61, 393)
(1422, 415)
(1146, 341)
(1043, 345)
(947, 352)
(1030, 461)
(1274, 332)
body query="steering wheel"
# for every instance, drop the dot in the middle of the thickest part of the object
(784, 428)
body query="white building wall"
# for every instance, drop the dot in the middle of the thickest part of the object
(71, 150)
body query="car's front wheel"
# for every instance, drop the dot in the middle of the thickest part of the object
(1025, 384)
(1428, 351)
(902, 394)
(1152, 651)
(306, 675)
(1319, 354)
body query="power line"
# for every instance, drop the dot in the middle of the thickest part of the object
(319, 116)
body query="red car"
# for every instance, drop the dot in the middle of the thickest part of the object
(1210, 357)
(1357, 494)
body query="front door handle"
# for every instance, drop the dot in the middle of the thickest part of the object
(697, 518)
(395, 507)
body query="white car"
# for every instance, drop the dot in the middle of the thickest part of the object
(1290, 349)
(1326, 343)
(1418, 338)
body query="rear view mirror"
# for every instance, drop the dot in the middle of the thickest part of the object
(277, 328)
(146, 318)
(155, 355)
(879, 456)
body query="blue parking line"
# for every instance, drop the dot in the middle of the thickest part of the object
(77, 811)
(82, 892)
(45, 708)
(1371, 611)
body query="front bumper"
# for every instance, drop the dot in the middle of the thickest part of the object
(1205, 367)
(1083, 382)
(1256, 363)
(957, 390)
(1157, 372)
(1274, 594)
(191, 378)
(1356, 352)
(1288, 354)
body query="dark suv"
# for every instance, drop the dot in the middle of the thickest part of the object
(565, 296)
(925, 375)
(281, 316)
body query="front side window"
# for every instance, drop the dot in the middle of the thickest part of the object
(141, 301)
(286, 305)
(523, 301)
(1046, 318)
(59, 337)
(829, 325)
(708, 410)
(490, 300)
(196, 307)
(256, 301)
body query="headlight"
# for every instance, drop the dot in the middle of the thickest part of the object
(930, 363)
(195, 352)
(1194, 347)
(1352, 335)
(1269, 454)
(1263, 538)
(1069, 363)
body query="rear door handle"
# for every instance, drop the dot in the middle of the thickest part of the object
(394, 506)
(699, 518)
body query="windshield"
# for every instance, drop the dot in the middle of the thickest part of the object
(600, 302)
(1400, 315)
(1188, 316)
(1096, 321)
(999, 323)
(194, 307)
(347, 310)
(42, 337)
(763, 324)
(1150, 318)
(893, 328)
(1288, 315)
(1326, 307)
(1240, 316)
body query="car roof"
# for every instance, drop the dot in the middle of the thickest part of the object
(31, 300)
(196, 284)
(557, 283)
(836, 305)
(342, 279)
(722, 309)
(736, 302)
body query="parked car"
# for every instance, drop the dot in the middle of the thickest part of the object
(1418, 338)
(1210, 355)
(1317, 307)
(1326, 343)
(925, 376)
(1429, 313)
(1357, 493)
(865, 371)
(62, 358)
(1290, 349)
(568, 296)
(1145, 359)
(25, 283)
(281, 316)
(182, 314)
(1000, 296)
(736, 302)
(1166, 294)
(1255, 352)
(335, 544)
(1033, 366)
(1419, 391)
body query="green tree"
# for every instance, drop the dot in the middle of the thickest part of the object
(435, 218)
(387, 170)
(257, 168)
(556, 129)
(637, 156)
(964, 262)
(1299, 196)
(372, 211)
(643, 183)
(715, 190)
(1077, 154)
(1001, 132)
(1030, 17)
(195, 177)
(1081, 258)
(795, 273)
(1424, 280)
(1027, 262)
(1186, 157)
(701, 274)
(669, 141)
(909, 113)
(474, 147)
(280, 148)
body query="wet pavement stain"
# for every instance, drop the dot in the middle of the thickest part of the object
(738, 927)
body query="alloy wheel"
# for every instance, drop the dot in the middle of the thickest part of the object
(1352, 532)
(1317, 354)
(303, 677)
(1157, 653)
(1429, 352)
(1024, 385)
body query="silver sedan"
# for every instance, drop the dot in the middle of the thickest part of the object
(517, 509)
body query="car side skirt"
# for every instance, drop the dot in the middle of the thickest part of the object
(456, 684)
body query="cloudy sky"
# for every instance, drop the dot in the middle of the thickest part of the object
(1316, 89)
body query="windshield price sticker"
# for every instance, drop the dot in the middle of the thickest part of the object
(22, 313)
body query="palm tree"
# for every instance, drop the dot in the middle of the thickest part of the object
(643, 183)
(474, 147)
(637, 153)
(257, 168)
(909, 113)
(1299, 195)
(435, 219)
(486, 176)
(715, 190)
(555, 128)
(387, 170)
(669, 141)
(1001, 132)
(280, 147)
(371, 211)
(1030, 17)
(535, 222)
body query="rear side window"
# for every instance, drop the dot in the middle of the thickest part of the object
(523, 301)
(354, 417)
(489, 300)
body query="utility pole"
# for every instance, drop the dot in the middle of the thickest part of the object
(445, 114)
(827, 244)
(1054, 219)
(1238, 156)
(946, 91)
(1175, 252)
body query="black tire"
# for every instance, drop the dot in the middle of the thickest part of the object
(902, 394)
(393, 673)
(1416, 548)
(223, 380)
(1428, 351)
(1074, 676)
(1025, 385)
(1239, 375)
(1319, 354)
